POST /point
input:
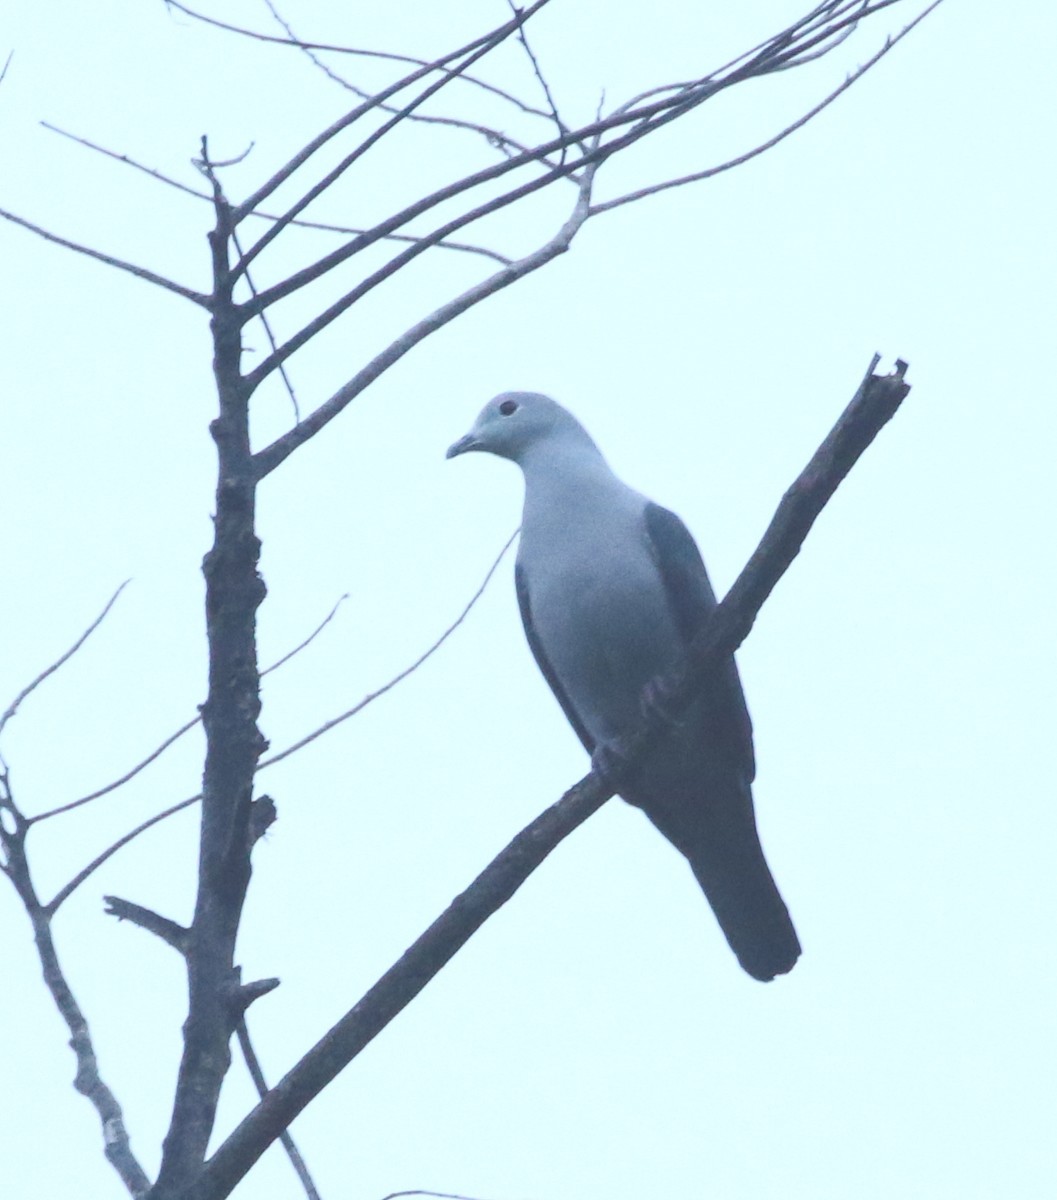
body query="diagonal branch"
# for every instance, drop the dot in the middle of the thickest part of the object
(799, 123)
(12, 708)
(88, 1080)
(643, 119)
(131, 773)
(513, 270)
(69, 888)
(99, 256)
(261, 1084)
(271, 456)
(288, 383)
(327, 726)
(174, 737)
(161, 177)
(331, 48)
(170, 932)
(873, 405)
(494, 137)
(489, 41)
(541, 79)
(372, 139)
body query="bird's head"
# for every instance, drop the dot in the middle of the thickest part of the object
(514, 423)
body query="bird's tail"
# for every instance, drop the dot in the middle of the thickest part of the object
(717, 834)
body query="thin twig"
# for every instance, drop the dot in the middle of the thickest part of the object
(372, 139)
(327, 726)
(489, 41)
(12, 708)
(799, 123)
(173, 737)
(283, 374)
(272, 455)
(132, 269)
(113, 786)
(387, 55)
(642, 121)
(559, 124)
(261, 1084)
(126, 160)
(494, 137)
(426, 1192)
(68, 889)
(512, 272)
(308, 640)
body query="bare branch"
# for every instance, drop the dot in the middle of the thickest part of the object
(271, 456)
(494, 137)
(156, 753)
(127, 161)
(170, 932)
(67, 890)
(283, 374)
(7, 63)
(642, 120)
(559, 124)
(509, 274)
(464, 247)
(260, 1083)
(696, 176)
(875, 402)
(88, 1080)
(12, 708)
(426, 1192)
(130, 774)
(131, 268)
(249, 993)
(365, 145)
(327, 726)
(308, 640)
(381, 54)
(487, 41)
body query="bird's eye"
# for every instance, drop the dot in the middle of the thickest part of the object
(508, 407)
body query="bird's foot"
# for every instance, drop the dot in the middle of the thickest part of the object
(609, 762)
(657, 703)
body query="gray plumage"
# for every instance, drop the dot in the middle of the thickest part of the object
(612, 588)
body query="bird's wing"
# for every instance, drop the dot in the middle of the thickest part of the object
(691, 599)
(536, 646)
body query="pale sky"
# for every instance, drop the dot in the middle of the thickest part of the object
(597, 1040)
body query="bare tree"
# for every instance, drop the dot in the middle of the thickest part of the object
(555, 152)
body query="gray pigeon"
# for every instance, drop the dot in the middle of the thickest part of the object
(612, 588)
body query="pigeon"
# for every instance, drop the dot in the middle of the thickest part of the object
(612, 589)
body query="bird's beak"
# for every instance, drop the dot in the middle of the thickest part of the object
(469, 442)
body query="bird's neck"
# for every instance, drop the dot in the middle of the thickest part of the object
(565, 482)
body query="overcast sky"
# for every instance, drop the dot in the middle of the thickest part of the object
(596, 1041)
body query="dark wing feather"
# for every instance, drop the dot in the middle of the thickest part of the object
(521, 584)
(691, 599)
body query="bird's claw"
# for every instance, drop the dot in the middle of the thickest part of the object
(657, 703)
(609, 763)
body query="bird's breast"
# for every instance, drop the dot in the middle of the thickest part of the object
(601, 614)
